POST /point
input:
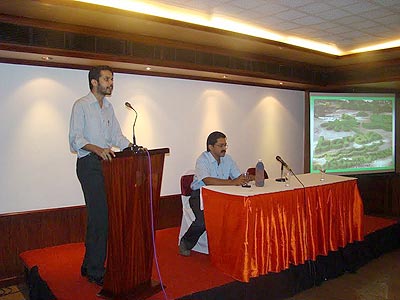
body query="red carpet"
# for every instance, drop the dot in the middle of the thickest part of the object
(60, 267)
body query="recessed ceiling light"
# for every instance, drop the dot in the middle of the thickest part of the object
(46, 58)
(224, 76)
(148, 68)
(281, 83)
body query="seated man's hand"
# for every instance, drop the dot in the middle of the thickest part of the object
(241, 180)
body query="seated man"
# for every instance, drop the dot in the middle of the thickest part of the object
(213, 167)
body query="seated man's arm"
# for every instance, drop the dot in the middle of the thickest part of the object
(207, 175)
(217, 181)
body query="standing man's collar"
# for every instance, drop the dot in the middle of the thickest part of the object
(92, 99)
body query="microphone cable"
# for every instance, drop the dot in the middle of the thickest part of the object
(311, 263)
(152, 224)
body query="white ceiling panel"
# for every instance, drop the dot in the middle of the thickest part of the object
(311, 19)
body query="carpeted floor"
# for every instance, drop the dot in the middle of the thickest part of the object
(378, 280)
(59, 266)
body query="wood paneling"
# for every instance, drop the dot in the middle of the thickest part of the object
(114, 46)
(37, 229)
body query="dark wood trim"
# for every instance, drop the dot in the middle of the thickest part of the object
(151, 40)
(29, 230)
(397, 133)
(156, 51)
(67, 40)
(307, 132)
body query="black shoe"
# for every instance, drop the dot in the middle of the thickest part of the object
(183, 250)
(83, 271)
(97, 280)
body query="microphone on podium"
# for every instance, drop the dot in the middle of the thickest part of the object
(134, 148)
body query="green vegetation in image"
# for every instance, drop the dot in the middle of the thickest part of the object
(342, 154)
(357, 158)
(347, 141)
(362, 114)
(380, 121)
(361, 139)
(322, 106)
(380, 106)
(346, 123)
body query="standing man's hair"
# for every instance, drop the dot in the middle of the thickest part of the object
(213, 137)
(95, 71)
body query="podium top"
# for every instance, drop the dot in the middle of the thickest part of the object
(127, 153)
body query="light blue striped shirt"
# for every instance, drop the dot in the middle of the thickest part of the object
(91, 124)
(207, 166)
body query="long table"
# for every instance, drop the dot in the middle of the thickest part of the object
(257, 230)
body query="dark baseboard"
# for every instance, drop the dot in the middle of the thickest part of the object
(15, 280)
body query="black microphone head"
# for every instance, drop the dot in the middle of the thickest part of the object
(278, 158)
(128, 105)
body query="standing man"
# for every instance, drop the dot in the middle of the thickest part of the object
(213, 167)
(93, 130)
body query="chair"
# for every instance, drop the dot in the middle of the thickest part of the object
(252, 171)
(188, 216)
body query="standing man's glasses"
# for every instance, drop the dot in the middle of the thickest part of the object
(221, 145)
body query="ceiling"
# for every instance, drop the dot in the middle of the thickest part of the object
(345, 24)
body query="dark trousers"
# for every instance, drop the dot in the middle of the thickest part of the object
(90, 175)
(198, 226)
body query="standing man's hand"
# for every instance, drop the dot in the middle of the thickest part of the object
(105, 153)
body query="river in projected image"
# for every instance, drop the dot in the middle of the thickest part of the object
(352, 135)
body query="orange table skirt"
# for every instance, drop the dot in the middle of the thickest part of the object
(249, 236)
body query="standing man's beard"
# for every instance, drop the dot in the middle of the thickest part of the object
(107, 91)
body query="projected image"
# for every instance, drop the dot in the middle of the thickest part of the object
(352, 134)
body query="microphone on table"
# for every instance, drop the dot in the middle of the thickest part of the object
(135, 148)
(278, 158)
(284, 164)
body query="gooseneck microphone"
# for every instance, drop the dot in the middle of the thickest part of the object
(128, 105)
(134, 148)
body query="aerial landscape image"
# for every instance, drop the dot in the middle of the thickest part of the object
(350, 134)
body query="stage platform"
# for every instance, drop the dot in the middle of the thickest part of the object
(54, 272)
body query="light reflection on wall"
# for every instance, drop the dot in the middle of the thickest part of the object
(39, 115)
(214, 107)
(37, 155)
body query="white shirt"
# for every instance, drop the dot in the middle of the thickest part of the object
(207, 166)
(91, 124)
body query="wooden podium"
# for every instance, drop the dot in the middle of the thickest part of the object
(130, 245)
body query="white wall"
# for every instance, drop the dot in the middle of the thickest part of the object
(38, 170)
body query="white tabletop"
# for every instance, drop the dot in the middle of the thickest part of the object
(272, 186)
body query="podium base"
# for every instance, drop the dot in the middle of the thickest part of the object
(140, 292)
(280, 179)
